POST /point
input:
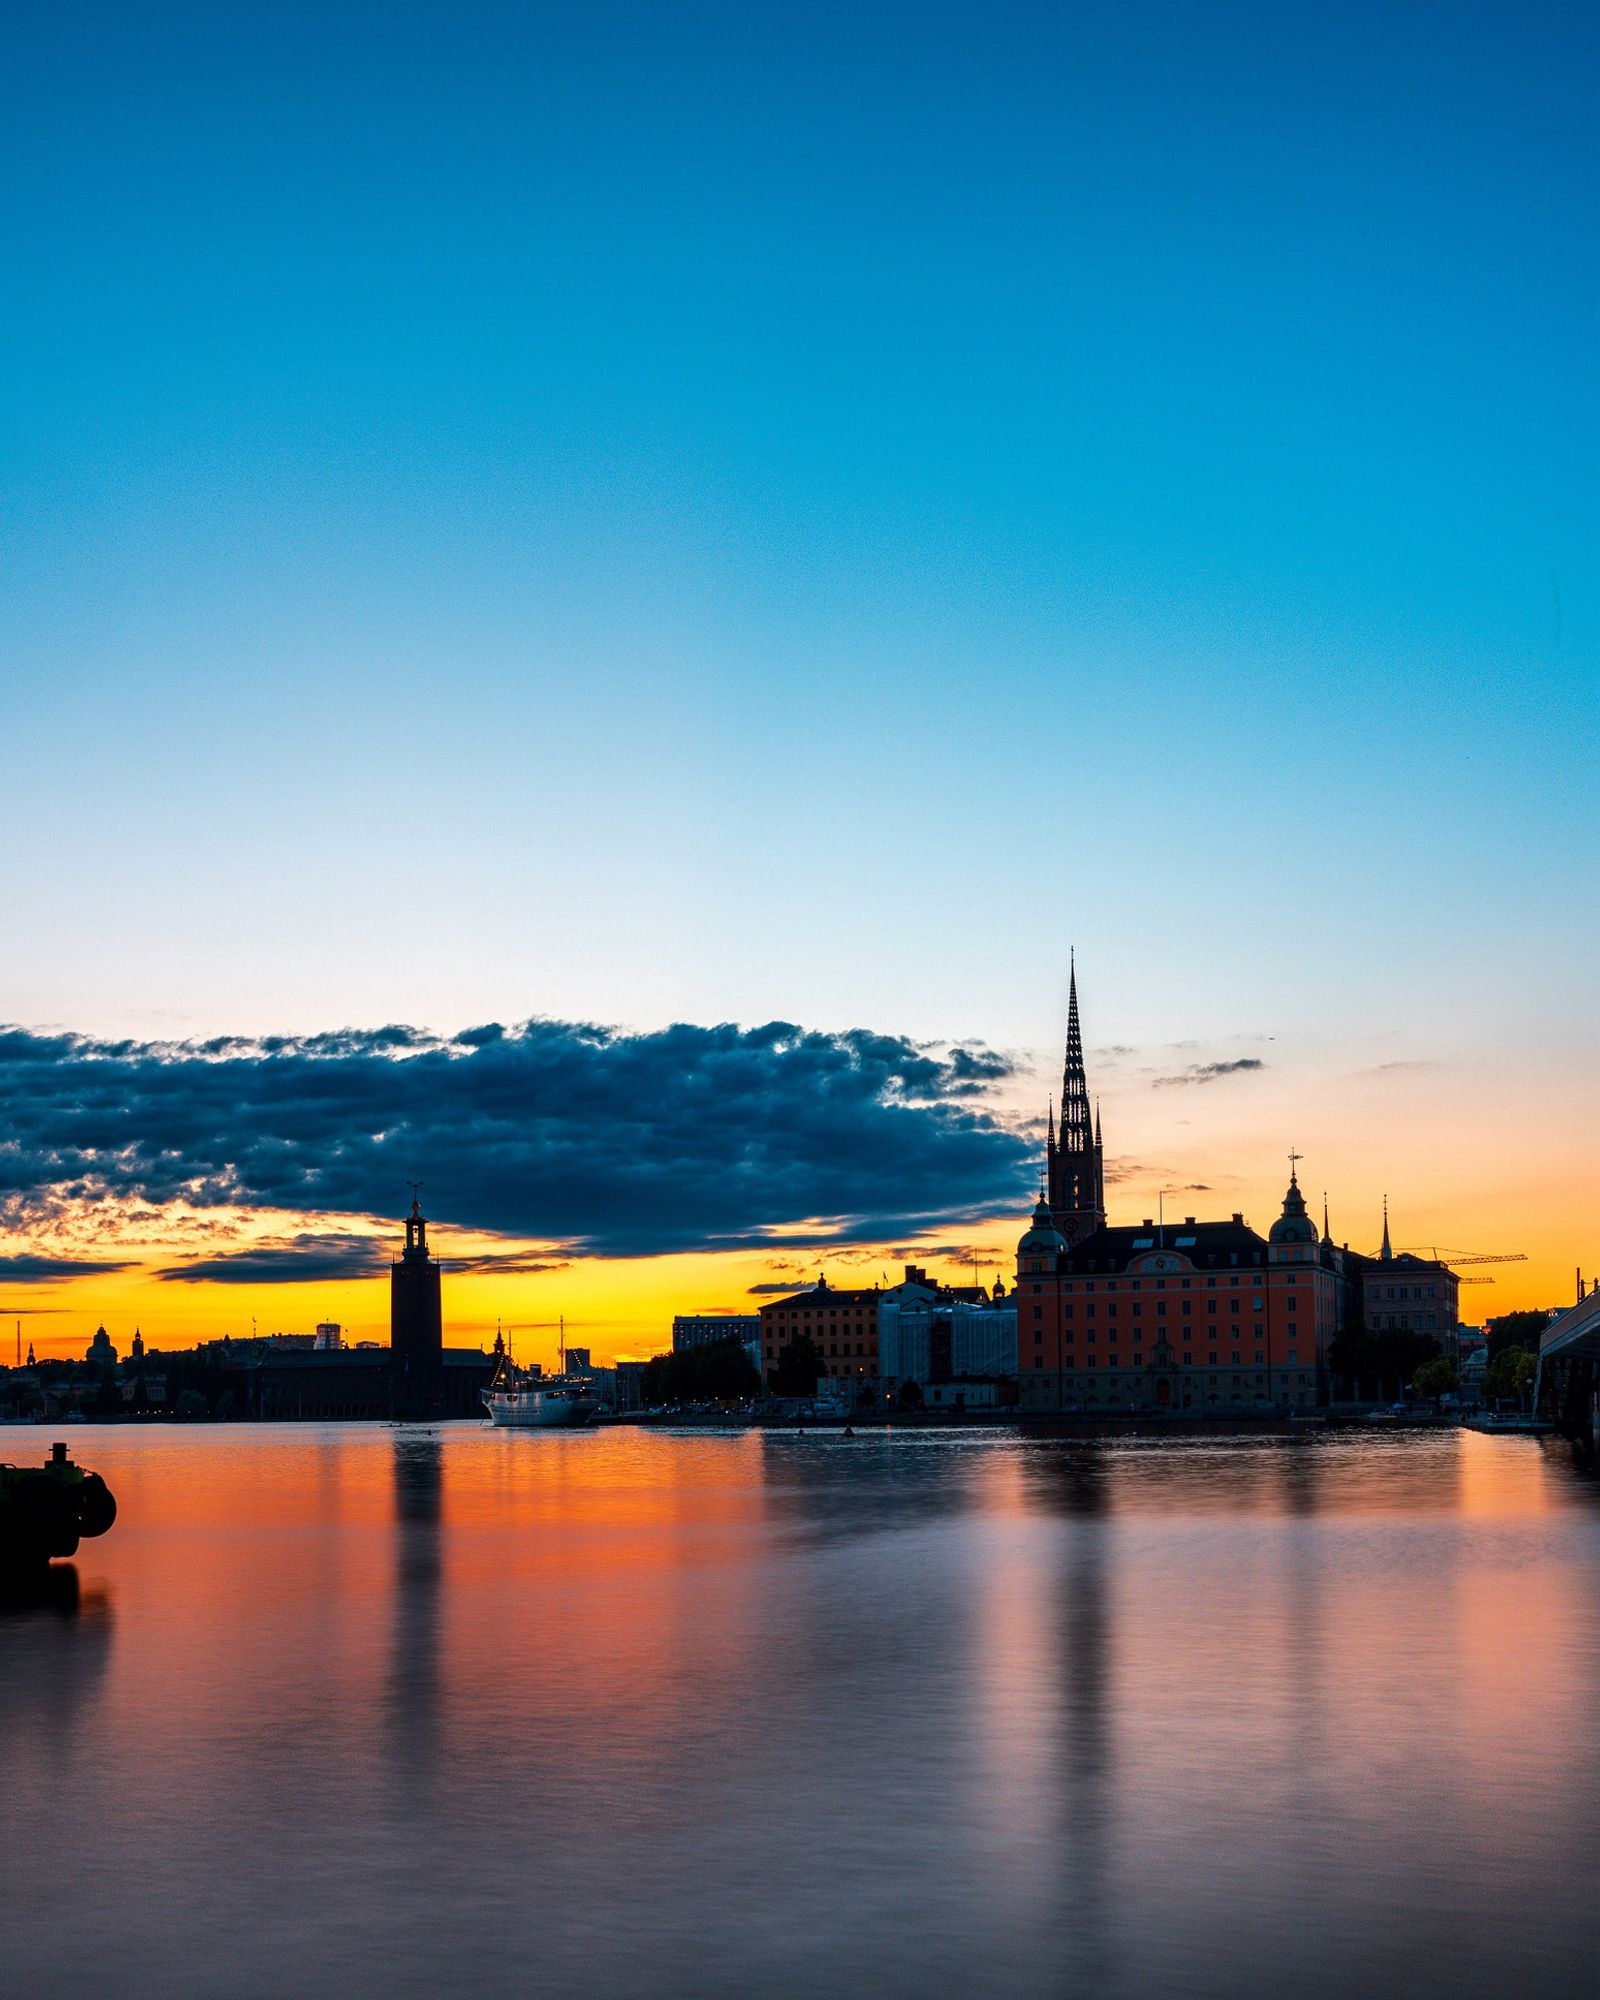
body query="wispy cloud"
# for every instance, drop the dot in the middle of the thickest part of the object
(28, 1267)
(297, 1260)
(1209, 1072)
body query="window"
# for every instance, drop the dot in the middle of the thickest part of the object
(1161, 1308)
(1038, 1312)
(1137, 1309)
(1038, 1336)
(1260, 1357)
(1293, 1329)
(1066, 1312)
(1212, 1357)
(1187, 1307)
(1211, 1305)
(1188, 1357)
(1236, 1357)
(1260, 1330)
(1111, 1310)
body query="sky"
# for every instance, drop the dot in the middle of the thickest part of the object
(740, 537)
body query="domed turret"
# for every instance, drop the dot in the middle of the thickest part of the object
(1294, 1225)
(1043, 1241)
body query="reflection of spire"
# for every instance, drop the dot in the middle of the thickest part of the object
(1386, 1254)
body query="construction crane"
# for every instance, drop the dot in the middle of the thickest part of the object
(1455, 1257)
(1451, 1258)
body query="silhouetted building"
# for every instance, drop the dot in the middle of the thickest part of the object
(1400, 1290)
(692, 1330)
(416, 1325)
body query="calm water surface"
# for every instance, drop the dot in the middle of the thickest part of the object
(351, 1710)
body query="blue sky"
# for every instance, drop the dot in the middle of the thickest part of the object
(723, 513)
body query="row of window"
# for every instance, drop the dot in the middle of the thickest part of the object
(1235, 1360)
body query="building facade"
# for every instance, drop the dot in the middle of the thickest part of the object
(691, 1330)
(843, 1323)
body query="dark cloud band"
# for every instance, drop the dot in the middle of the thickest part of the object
(608, 1143)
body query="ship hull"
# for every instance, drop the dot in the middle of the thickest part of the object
(538, 1410)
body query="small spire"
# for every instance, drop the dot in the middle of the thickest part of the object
(1097, 1139)
(1326, 1236)
(1386, 1254)
(1050, 1119)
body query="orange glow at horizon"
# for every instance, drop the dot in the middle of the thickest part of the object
(1486, 1164)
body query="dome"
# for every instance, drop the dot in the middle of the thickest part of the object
(1294, 1225)
(1043, 1239)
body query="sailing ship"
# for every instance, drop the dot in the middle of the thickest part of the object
(526, 1399)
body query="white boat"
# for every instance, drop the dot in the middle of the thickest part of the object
(526, 1399)
(540, 1402)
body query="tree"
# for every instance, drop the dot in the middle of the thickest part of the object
(1519, 1329)
(910, 1395)
(799, 1367)
(720, 1372)
(1436, 1378)
(1509, 1375)
(1398, 1354)
(191, 1404)
(1351, 1356)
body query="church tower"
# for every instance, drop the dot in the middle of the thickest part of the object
(1074, 1159)
(416, 1324)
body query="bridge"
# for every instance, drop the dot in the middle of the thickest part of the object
(1568, 1382)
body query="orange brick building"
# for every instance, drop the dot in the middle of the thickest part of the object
(843, 1323)
(1198, 1316)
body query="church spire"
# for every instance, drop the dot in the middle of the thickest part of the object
(1386, 1254)
(1327, 1234)
(1076, 1180)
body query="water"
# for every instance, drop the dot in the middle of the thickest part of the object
(347, 1710)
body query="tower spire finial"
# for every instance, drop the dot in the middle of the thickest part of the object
(1386, 1254)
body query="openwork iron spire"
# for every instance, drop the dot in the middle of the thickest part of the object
(1074, 1161)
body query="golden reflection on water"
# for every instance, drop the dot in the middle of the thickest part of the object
(799, 1714)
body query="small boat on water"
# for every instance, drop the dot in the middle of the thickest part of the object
(46, 1510)
(526, 1399)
